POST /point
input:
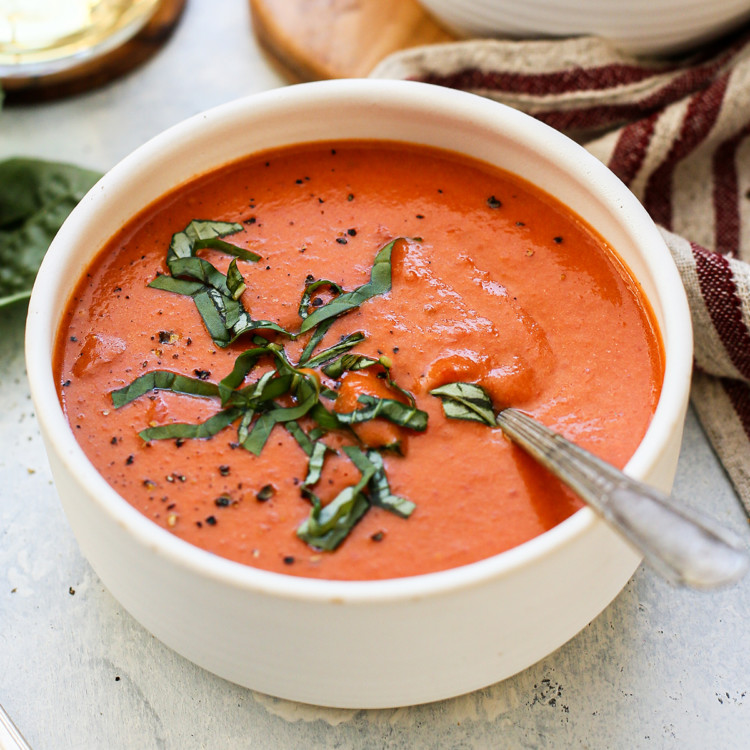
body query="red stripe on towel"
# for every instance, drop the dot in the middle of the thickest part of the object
(739, 395)
(631, 148)
(724, 305)
(726, 196)
(701, 114)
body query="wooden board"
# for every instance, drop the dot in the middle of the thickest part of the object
(316, 39)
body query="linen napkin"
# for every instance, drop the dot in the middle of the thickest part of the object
(676, 132)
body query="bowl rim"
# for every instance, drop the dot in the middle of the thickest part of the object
(42, 316)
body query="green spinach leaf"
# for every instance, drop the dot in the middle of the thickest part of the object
(36, 197)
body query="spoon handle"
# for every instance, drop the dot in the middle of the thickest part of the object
(677, 542)
(10, 737)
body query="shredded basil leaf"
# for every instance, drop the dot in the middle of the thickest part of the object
(216, 296)
(163, 380)
(379, 283)
(257, 437)
(317, 432)
(326, 420)
(394, 411)
(206, 429)
(326, 527)
(226, 247)
(233, 319)
(334, 351)
(235, 282)
(315, 339)
(466, 401)
(349, 362)
(243, 366)
(210, 305)
(315, 464)
(176, 286)
(379, 489)
(307, 294)
(303, 439)
(218, 300)
(257, 395)
(200, 270)
(243, 430)
(186, 243)
(353, 362)
(307, 394)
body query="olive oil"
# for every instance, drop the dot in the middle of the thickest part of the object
(45, 36)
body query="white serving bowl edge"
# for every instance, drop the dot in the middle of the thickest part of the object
(358, 644)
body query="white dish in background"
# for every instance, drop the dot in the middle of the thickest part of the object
(641, 27)
(358, 644)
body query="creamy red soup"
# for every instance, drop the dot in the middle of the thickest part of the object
(250, 361)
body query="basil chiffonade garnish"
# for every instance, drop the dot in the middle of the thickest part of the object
(286, 393)
(216, 295)
(466, 401)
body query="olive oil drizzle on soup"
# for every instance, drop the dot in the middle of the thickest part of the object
(492, 282)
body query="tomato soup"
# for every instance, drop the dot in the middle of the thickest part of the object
(280, 361)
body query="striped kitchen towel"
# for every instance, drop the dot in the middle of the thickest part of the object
(676, 132)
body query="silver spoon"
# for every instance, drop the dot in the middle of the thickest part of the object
(10, 737)
(678, 543)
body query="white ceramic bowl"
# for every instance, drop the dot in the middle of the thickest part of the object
(358, 644)
(645, 27)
